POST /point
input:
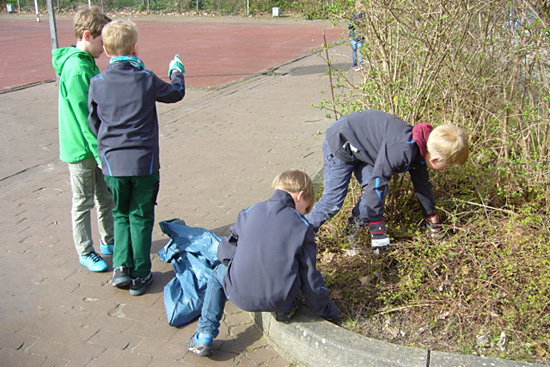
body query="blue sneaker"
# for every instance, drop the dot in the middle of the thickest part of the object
(106, 249)
(93, 262)
(201, 347)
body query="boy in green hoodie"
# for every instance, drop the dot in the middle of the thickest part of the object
(77, 144)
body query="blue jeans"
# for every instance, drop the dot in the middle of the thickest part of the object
(337, 176)
(356, 53)
(214, 303)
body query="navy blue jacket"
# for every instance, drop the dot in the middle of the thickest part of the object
(123, 115)
(271, 255)
(384, 142)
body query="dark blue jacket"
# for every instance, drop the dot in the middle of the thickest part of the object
(384, 142)
(123, 115)
(271, 255)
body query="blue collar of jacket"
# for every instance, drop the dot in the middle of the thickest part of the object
(130, 59)
(284, 197)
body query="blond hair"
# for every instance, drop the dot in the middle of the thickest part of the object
(295, 181)
(91, 19)
(449, 143)
(119, 37)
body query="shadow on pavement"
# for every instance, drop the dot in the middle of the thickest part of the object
(316, 69)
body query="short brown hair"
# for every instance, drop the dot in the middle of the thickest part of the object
(295, 181)
(119, 37)
(449, 143)
(91, 19)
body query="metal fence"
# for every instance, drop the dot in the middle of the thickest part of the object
(310, 9)
(223, 7)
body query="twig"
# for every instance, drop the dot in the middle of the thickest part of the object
(405, 307)
(325, 45)
(488, 207)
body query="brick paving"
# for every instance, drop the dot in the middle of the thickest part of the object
(220, 149)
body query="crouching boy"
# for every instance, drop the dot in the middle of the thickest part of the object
(267, 261)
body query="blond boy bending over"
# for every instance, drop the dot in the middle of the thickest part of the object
(374, 145)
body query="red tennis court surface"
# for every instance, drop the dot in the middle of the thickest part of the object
(214, 53)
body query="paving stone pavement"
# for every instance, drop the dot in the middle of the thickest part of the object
(220, 150)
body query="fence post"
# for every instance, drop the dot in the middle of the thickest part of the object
(53, 28)
(36, 8)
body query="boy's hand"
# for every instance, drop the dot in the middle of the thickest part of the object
(380, 241)
(176, 64)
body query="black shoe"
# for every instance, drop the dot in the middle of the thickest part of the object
(121, 277)
(139, 285)
(289, 311)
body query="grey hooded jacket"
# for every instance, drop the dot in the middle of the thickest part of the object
(384, 142)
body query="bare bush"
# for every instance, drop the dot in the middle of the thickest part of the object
(479, 64)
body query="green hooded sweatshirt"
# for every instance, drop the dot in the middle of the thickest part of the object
(75, 68)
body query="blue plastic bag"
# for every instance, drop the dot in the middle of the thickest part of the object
(188, 239)
(192, 252)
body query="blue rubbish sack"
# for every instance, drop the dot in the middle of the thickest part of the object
(192, 253)
(195, 240)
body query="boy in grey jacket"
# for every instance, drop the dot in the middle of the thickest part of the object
(123, 115)
(267, 261)
(374, 145)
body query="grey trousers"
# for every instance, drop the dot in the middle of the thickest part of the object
(88, 186)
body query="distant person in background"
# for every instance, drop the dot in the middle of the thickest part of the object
(356, 39)
(77, 144)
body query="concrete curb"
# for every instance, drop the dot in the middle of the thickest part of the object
(309, 341)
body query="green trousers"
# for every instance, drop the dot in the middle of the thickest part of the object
(134, 217)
